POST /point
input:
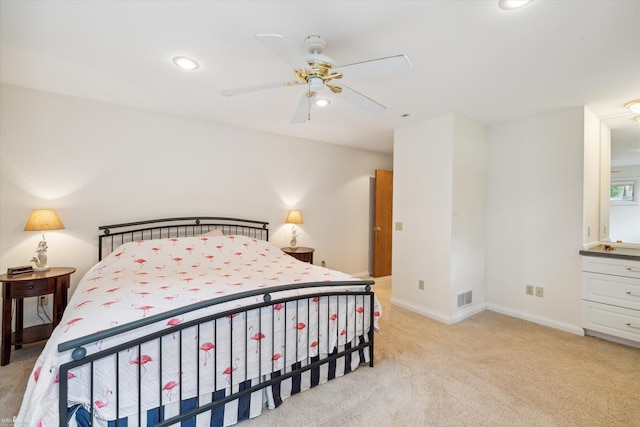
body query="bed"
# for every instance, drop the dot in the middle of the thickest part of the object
(196, 321)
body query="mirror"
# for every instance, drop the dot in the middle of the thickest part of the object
(624, 213)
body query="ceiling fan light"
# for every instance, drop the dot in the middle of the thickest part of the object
(185, 63)
(322, 102)
(512, 4)
(633, 106)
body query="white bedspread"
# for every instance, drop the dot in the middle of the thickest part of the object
(141, 279)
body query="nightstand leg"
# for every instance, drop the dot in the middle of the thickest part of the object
(57, 295)
(6, 330)
(19, 322)
(60, 298)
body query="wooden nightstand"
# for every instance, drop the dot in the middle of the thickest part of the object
(300, 253)
(54, 281)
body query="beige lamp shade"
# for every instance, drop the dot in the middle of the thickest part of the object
(294, 217)
(42, 220)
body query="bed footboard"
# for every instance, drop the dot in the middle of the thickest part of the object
(198, 361)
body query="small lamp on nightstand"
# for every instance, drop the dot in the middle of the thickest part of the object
(294, 217)
(42, 220)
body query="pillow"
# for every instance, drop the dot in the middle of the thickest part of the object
(213, 233)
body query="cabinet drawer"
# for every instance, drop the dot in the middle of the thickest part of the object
(616, 321)
(32, 288)
(617, 267)
(616, 290)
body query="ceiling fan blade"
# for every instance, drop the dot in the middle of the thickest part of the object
(361, 101)
(376, 67)
(301, 114)
(241, 90)
(283, 49)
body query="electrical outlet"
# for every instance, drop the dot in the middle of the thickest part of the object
(539, 291)
(43, 300)
(421, 285)
(529, 290)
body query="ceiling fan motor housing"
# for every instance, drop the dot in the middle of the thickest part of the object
(315, 44)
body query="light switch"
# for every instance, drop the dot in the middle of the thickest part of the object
(398, 226)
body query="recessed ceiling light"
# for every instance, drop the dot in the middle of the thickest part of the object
(512, 4)
(186, 63)
(322, 102)
(633, 106)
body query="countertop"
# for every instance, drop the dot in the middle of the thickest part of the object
(620, 253)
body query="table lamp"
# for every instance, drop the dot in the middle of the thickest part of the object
(42, 220)
(294, 217)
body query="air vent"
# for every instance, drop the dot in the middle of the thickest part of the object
(465, 299)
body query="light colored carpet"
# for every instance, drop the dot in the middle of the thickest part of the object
(13, 380)
(489, 370)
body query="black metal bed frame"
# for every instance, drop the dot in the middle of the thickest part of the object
(270, 300)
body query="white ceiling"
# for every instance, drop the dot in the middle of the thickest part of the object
(469, 57)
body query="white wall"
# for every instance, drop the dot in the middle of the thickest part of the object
(98, 163)
(468, 226)
(534, 217)
(439, 192)
(422, 199)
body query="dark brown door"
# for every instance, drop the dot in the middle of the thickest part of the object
(383, 218)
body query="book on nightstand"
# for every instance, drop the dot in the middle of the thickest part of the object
(12, 271)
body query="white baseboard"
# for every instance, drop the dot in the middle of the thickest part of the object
(477, 308)
(468, 311)
(573, 329)
(440, 317)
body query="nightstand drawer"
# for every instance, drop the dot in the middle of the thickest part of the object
(300, 253)
(306, 257)
(33, 288)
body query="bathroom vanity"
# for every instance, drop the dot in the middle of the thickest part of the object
(611, 294)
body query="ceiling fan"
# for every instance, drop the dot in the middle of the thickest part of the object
(318, 71)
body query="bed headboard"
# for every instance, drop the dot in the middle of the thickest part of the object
(115, 235)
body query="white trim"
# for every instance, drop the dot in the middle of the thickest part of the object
(468, 311)
(475, 309)
(576, 330)
(420, 310)
(459, 315)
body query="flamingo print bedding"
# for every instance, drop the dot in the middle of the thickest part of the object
(144, 278)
